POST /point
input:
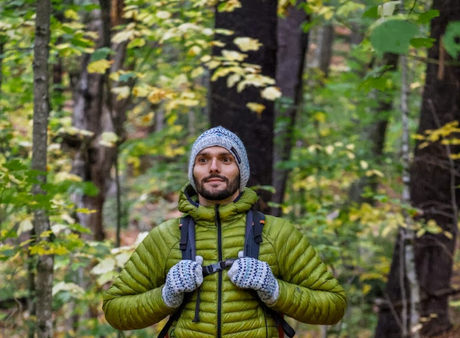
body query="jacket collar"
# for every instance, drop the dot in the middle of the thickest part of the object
(188, 203)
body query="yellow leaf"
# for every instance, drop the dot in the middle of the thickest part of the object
(65, 176)
(448, 234)
(421, 232)
(363, 164)
(74, 289)
(256, 107)
(197, 72)
(123, 36)
(350, 155)
(374, 172)
(71, 14)
(106, 265)
(418, 137)
(46, 234)
(25, 225)
(271, 93)
(108, 139)
(156, 95)
(141, 91)
(423, 145)
(163, 15)
(320, 117)
(194, 50)
(246, 44)
(366, 289)
(229, 6)
(329, 149)
(121, 92)
(232, 79)
(231, 55)
(99, 66)
(86, 211)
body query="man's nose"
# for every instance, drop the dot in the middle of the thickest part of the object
(214, 166)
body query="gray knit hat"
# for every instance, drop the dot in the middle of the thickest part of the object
(221, 137)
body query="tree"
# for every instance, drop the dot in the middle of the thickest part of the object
(257, 20)
(45, 264)
(100, 114)
(292, 48)
(433, 188)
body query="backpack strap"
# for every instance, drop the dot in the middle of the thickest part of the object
(255, 222)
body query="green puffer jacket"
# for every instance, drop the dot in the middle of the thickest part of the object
(308, 291)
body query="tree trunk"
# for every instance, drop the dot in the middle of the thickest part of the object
(292, 49)
(96, 110)
(323, 52)
(433, 190)
(256, 19)
(45, 265)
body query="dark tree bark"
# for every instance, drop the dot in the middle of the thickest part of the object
(256, 19)
(434, 178)
(45, 264)
(98, 111)
(292, 49)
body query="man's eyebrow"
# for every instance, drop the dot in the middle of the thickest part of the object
(223, 153)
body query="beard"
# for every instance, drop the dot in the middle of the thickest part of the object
(217, 195)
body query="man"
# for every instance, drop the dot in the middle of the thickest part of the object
(288, 276)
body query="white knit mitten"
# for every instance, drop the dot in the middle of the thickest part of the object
(185, 276)
(250, 273)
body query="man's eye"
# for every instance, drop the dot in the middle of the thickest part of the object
(227, 159)
(201, 160)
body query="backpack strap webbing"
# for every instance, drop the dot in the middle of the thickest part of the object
(255, 222)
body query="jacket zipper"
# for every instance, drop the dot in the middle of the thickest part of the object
(219, 285)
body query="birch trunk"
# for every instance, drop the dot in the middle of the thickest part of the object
(408, 234)
(323, 52)
(45, 264)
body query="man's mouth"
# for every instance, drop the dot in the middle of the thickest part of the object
(214, 180)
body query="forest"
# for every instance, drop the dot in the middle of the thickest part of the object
(349, 110)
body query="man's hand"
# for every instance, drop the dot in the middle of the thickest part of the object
(183, 277)
(250, 273)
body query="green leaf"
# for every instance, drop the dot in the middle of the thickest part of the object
(422, 42)
(372, 13)
(15, 165)
(101, 53)
(393, 36)
(451, 39)
(426, 17)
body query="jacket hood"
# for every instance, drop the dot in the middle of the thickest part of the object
(188, 203)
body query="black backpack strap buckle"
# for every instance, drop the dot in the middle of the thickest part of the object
(216, 267)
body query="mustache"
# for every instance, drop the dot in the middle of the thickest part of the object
(214, 176)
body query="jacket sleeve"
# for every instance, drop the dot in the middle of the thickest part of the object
(308, 291)
(134, 300)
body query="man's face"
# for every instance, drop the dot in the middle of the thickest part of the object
(216, 175)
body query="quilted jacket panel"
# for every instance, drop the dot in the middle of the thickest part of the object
(308, 291)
